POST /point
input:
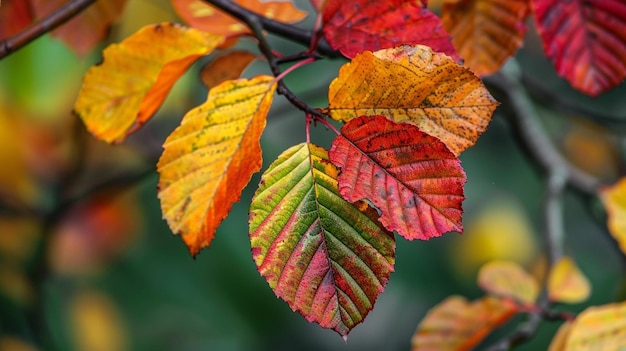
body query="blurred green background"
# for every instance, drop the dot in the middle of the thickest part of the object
(115, 278)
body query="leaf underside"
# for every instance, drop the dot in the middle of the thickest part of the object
(322, 255)
(210, 157)
(485, 32)
(585, 40)
(412, 177)
(414, 84)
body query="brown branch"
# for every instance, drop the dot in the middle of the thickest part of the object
(43, 26)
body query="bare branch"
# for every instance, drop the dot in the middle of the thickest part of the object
(43, 26)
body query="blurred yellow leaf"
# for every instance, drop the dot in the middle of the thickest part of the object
(414, 84)
(500, 231)
(210, 157)
(566, 283)
(122, 93)
(19, 237)
(485, 32)
(598, 328)
(592, 148)
(96, 323)
(15, 284)
(560, 338)
(9, 343)
(226, 67)
(83, 32)
(457, 324)
(200, 15)
(508, 279)
(614, 199)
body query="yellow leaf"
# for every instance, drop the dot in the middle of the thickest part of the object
(414, 84)
(210, 157)
(96, 323)
(136, 76)
(457, 324)
(614, 199)
(567, 283)
(560, 338)
(508, 279)
(599, 328)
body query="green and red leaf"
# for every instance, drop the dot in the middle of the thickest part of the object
(354, 26)
(413, 178)
(322, 255)
(586, 41)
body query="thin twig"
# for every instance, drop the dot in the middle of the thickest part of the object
(287, 31)
(43, 26)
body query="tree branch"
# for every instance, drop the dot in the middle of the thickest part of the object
(43, 26)
(525, 120)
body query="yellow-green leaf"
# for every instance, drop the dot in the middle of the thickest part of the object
(210, 157)
(508, 279)
(416, 85)
(566, 283)
(122, 93)
(596, 328)
(614, 199)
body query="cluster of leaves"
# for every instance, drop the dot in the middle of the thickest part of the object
(321, 221)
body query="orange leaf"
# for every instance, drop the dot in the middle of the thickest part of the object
(414, 84)
(136, 76)
(598, 328)
(83, 32)
(200, 15)
(614, 199)
(457, 324)
(508, 279)
(567, 283)
(485, 32)
(210, 157)
(226, 67)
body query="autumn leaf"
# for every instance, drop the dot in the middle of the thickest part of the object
(457, 324)
(412, 177)
(96, 322)
(614, 199)
(596, 328)
(485, 32)
(83, 32)
(321, 254)
(199, 14)
(508, 279)
(414, 84)
(585, 40)
(226, 67)
(210, 157)
(354, 26)
(566, 283)
(121, 94)
(560, 338)
(15, 15)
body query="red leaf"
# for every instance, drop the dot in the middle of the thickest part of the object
(412, 177)
(585, 40)
(358, 25)
(15, 15)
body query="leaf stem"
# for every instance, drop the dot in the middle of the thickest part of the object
(42, 26)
